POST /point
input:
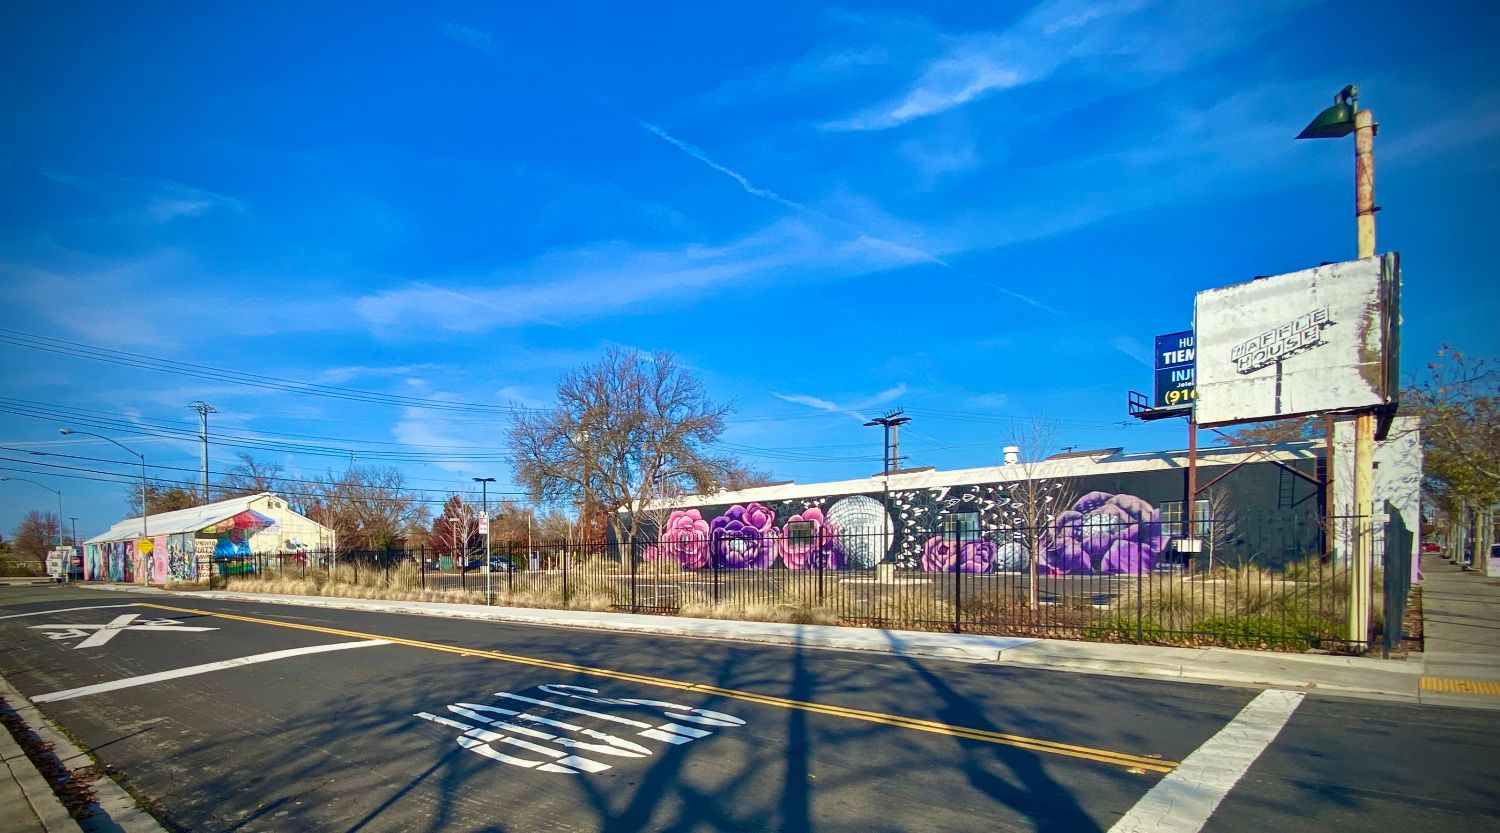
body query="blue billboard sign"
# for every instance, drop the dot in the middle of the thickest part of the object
(1175, 386)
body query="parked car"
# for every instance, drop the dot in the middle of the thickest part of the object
(498, 564)
(1431, 546)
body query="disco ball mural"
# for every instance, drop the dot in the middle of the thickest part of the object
(864, 530)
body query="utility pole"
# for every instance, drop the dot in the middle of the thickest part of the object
(1344, 117)
(892, 423)
(204, 409)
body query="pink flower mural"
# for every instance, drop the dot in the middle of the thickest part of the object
(686, 539)
(820, 549)
(938, 554)
(741, 538)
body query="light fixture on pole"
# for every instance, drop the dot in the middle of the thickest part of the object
(1336, 122)
(145, 510)
(58, 542)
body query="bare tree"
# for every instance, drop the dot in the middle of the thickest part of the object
(160, 497)
(1459, 404)
(35, 535)
(250, 477)
(454, 530)
(368, 508)
(1035, 498)
(620, 428)
(1222, 524)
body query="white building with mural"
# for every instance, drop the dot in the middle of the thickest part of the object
(183, 545)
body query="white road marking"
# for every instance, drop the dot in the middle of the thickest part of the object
(146, 679)
(61, 610)
(104, 633)
(478, 739)
(1183, 801)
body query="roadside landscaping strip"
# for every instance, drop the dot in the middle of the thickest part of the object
(1326, 674)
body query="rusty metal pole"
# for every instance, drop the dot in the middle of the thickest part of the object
(1190, 506)
(1364, 423)
(1330, 506)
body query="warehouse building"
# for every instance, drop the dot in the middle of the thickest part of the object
(184, 545)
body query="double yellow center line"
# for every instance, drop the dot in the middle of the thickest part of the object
(1134, 763)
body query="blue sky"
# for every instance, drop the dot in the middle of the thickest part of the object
(976, 212)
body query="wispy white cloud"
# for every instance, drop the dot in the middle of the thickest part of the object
(988, 400)
(582, 284)
(470, 36)
(142, 302)
(1123, 42)
(346, 374)
(159, 201)
(1132, 348)
(174, 200)
(902, 252)
(699, 155)
(854, 409)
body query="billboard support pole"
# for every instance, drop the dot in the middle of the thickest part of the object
(1364, 422)
(1190, 506)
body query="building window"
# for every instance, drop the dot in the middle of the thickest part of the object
(799, 533)
(1172, 518)
(961, 526)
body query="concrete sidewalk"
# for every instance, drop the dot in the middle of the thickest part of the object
(1461, 635)
(1349, 676)
(27, 803)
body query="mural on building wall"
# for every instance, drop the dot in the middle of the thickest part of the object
(180, 558)
(1100, 532)
(1105, 533)
(111, 561)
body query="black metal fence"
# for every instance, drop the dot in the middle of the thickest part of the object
(1107, 580)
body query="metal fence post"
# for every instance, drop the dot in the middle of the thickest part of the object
(1140, 606)
(958, 552)
(565, 575)
(634, 606)
(713, 565)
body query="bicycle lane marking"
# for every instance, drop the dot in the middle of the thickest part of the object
(1187, 797)
(1129, 761)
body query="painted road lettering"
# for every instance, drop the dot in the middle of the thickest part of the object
(531, 733)
(102, 634)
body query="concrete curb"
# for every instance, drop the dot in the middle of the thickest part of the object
(1347, 676)
(36, 793)
(112, 801)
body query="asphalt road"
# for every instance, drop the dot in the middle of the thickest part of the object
(461, 725)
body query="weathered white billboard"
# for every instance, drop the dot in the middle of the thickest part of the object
(1318, 340)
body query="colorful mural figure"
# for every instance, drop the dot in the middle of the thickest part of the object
(685, 540)
(232, 544)
(742, 537)
(1099, 532)
(1105, 533)
(864, 530)
(940, 553)
(821, 549)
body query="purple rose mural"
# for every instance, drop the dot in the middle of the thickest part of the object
(741, 537)
(1105, 532)
(685, 539)
(938, 555)
(821, 548)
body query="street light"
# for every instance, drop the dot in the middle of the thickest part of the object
(1336, 122)
(484, 501)
(53, 491)
(145, 510)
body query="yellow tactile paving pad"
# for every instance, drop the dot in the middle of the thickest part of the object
(1452, 686)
